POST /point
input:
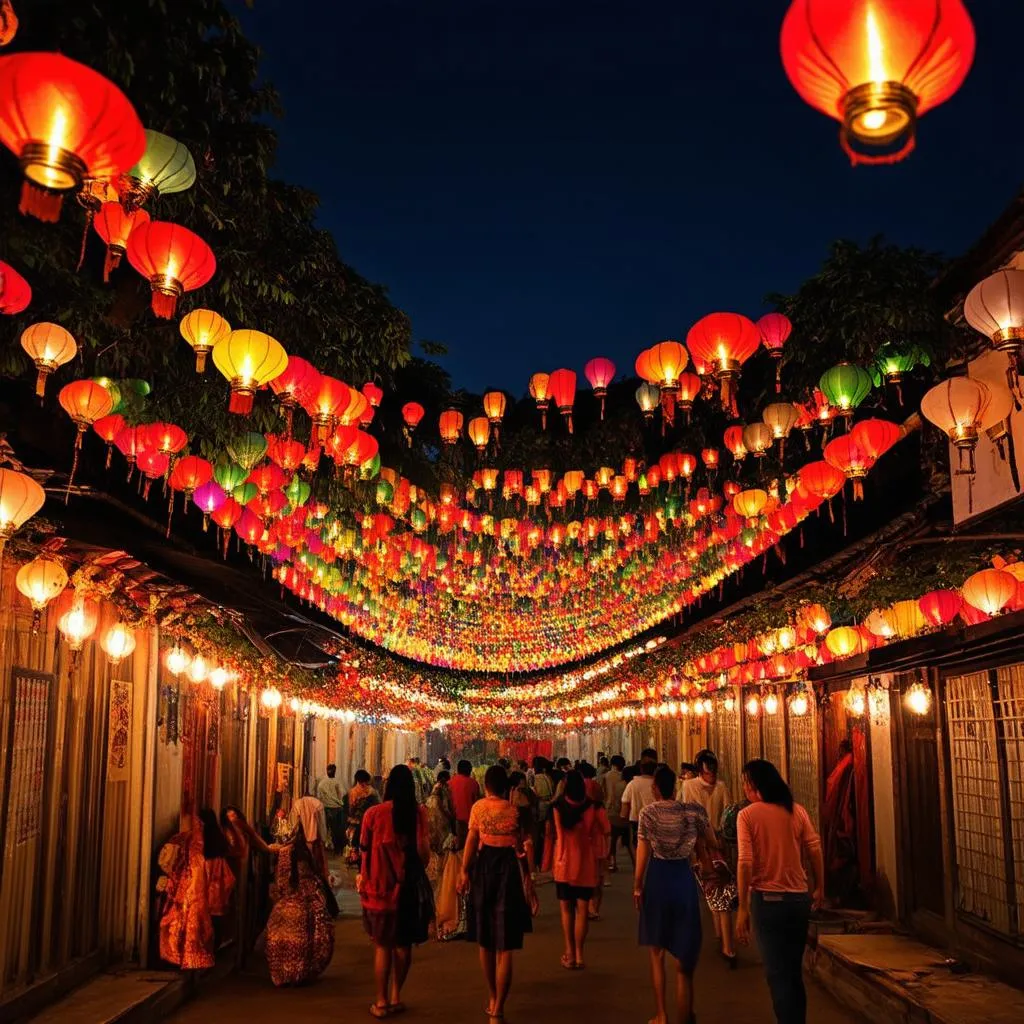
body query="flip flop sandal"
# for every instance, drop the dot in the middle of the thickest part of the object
(568, 963)
(379, 1012)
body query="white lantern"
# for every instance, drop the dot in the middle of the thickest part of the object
(995, 308)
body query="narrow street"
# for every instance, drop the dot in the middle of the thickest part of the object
(445, 983)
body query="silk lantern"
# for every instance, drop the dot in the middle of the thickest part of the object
(173, 259)
(114, 225)
(600, 372)
(165, 167)
(248, 360)
(723, 342)
(775, 329)
(48, 346)
(203, 329)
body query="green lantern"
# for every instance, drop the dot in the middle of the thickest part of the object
(297, 492)
(228, 474)
(385, 492)
(247, 450)
(892, 362)
(112, 388)
(166, 167)
(244, 493)
(369, 469)
(845, 386)
(418, 520)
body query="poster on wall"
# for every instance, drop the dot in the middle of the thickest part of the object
(119, 732)
(28, 752)
(999, 457)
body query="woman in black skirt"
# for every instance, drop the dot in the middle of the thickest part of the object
(497, 852)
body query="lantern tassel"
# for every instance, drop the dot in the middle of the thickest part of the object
(41, 382)
(111, 262)
(164, 305)
(778, 373)
(170, 513)
(42, 203)
(89, 214)
(110, 453)
(74, 464)
(240, 403)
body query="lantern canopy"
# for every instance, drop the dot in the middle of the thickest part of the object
(876, 66)
(65, 123)
(249, 360)
(203, 329)
(48, 346)
(173, 259)
(166, 167)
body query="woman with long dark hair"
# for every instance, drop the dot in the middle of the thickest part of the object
(500, 913)
(579, 834)
(398, 904)
(773, 834)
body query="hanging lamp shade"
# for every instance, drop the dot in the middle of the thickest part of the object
(879, 623)
(844, 642)
(957, 407)
(15, 291)
(20, 499)
(412, 416)
(108, 427)
(40, 581)
(152, 465)
(351, 413)
(114, 224)
(295, 386)
(65, 123)
(562, 385)
(757, 439)
(666, 361)
(875, 437)
(325, 404)
(77, 617)
(173, 259)
(247, 450)
(876, 66)
(203, 329)
(130, 441)
(118, 642)
(48, 346)
(907, 618)
(479, 432)
(995, 308)
(989, 590)
(494, 407)
(449, 424)
(540, 392)
(733, 441)
(689, 389)
(775, 329)
(248, 360)
(648, 398)
(845, 386)
(723, 342)
(165, 167)
(285, 452)
(165, 438)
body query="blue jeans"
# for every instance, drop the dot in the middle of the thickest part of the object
(779, 921)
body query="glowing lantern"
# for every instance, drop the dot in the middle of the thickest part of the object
(733, 440)
(689, 389)
(753, 706)
(354, 412)
(723, 342)
(781, 417)
(85, 402)
(816, 616)
(648, 397)
(958, 407)
(853, 461)
(203, 329)
(775, 329)
(494, 407)
(20, 499)
(856, 702)
(600, 372)
(165, 167)
(108, 427)
(479, 432)
(879, 623)
(412, 414)
(893, 362)
(844, 642)
(562, 385)
(995, 308)
(374, 395)
(989, 590)
(821, 480)
(875, 437)
(770, 704)
(876, 66)
(209, 497)
(845, 386)
(118, 642)
(177, 661)
(271, 698)
(325, 405)
(40, 581)
(15, 291)
(190, 473)
(79, 621)
(114, 225)
(248, 359)
(666, 361)
(246, 450)
(294, 387)
(173, 259)
(449, 424)
(907, 618)
(199, 670)
(940, 607)
(918, 699)
(48, 346)
(798, 704)
(219, 677)
(709, 456)
(541, 394)
(751, 503)
(65, 123)
(757, 439)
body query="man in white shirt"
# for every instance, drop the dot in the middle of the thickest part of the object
(639, 792)
(614, 789)
(329, 792)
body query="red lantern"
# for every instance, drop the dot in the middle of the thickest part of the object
(875, 437)
(190, 473)
(173, 259)
(876, 66)
(65, 123)
(152, 465)
(285, 452)
(131, 441)
(108, 427)
(325, 404)
(989, 590)
(562, 387)
(733, 440)
(373, 394)
(775, 328)
(940, 607)
(723, 342)
(166, 438)
(600, 372)
(852, 459)
(412, 414)
(295, 386)
(85, 402)
(114, 225)
(822, 480)
(15, 292)
(450, 426)
(267, 477)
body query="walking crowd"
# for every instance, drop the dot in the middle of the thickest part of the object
(460, 855)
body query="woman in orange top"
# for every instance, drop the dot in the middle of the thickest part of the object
(499, 913)
(580, 830)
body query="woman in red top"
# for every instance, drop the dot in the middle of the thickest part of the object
(580, 831)
(398, 903)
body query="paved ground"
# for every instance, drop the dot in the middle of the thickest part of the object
(445, 985)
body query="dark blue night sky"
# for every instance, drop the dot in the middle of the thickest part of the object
(541, 181)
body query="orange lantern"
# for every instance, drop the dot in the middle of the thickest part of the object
(108, 427)
(373, 394)
(355, 411)
(940, 607)
(325, 404)
(844, 642)
(541, 394)
(876, 66)
(65, 123)
(85, 402)
(690, 386)
(723, 342)
(562, 384)
(118, 642)
(846, 455)
(494, 407)
(733, 440)
(248, 360)
(479, 432)
(114, 225)
(989, 590)
(48, 346)
(600, 372)
(875, 437)
(450, 426)
(750, 503)
(173, 259)
(77, 618)
(203, 329)
(816, 617)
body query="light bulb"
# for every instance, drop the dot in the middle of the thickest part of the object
(177, 661)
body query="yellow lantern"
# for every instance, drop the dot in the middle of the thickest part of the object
(757, 439)
(856, 703)
(798, 704)
(203, 329)
(907, 618)
(880, 623)
(220, 677)
(40, 580)
(20, 499)
(753, 706)
(118, 642)
(199, 669)
(750, 503)
(770, 704)
(844, 642)
(48, 346)
(989, 590)
(248, 359)
(271, 698)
